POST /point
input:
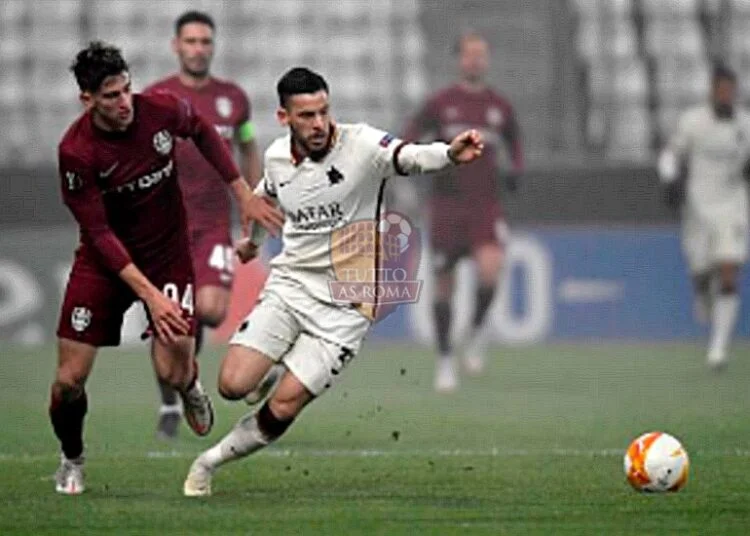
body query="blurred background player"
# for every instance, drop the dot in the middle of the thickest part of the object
(226, 106)
(465, 214)
(118, 178)
(702, 170)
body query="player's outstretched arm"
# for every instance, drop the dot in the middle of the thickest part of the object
(416, 158)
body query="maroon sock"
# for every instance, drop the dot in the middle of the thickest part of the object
(66, 411)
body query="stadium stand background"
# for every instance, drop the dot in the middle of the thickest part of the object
(596, 85)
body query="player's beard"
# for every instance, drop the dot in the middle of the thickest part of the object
(723, 111)
(198, 72)
(314, 154)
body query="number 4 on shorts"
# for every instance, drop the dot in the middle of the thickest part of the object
(222, 258)
(172, 292)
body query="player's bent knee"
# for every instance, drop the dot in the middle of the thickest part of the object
(67, 390)
(230, 389)
(212, 315)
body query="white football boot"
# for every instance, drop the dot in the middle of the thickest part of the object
(69, 476)
(198, 481)
(446, 374)
(266, 386)
(716, 359)
(198, 409)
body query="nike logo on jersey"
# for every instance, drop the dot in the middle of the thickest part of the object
(106, 173)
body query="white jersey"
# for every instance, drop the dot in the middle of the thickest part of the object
(716, 151)
(345, 186)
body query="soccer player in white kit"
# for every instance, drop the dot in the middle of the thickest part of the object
(703, 169)
(324, 176)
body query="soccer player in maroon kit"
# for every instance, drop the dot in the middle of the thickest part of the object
(119, 180)
(227, 107)
(465, 213)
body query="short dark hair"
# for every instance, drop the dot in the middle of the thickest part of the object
(722, 71)
(95, 63)
(193, 16)
(298, 81)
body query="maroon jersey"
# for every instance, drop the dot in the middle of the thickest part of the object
(122, 186)
(225, 106)
(455, 109)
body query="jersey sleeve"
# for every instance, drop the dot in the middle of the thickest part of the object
(391, 155)
(190, 124)
(245, 126)
(81, 195)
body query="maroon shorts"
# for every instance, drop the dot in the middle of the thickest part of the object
(457, 228)
(213, 256)
(96, 300)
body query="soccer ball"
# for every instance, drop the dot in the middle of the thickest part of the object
(656, 462)
(395, 224)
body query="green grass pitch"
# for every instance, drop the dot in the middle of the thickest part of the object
(533, 447)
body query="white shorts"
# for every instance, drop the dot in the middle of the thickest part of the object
(313, 339)
(709, 242)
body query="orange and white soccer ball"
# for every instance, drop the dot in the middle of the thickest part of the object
(656, 462)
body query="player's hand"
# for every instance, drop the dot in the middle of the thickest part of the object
(466, 147)
(246, 250)
(262, 210)
(166, 317)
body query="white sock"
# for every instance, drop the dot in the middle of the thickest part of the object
(244, 439)
(168, 409)
(723, 318)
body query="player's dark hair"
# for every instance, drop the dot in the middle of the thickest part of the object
(95, 63)
(723, 72)
(193, 16)
(298, 81)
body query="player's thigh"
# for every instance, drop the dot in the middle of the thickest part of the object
(211, 304)
(696, 245)
(263, 338)
(173, 361)
(730, 243)
(74, 362)
(93, 306)
(213, 257)
(488, 258)
(241, 371)
(317, 363)
(176, 281)
(330, 338)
